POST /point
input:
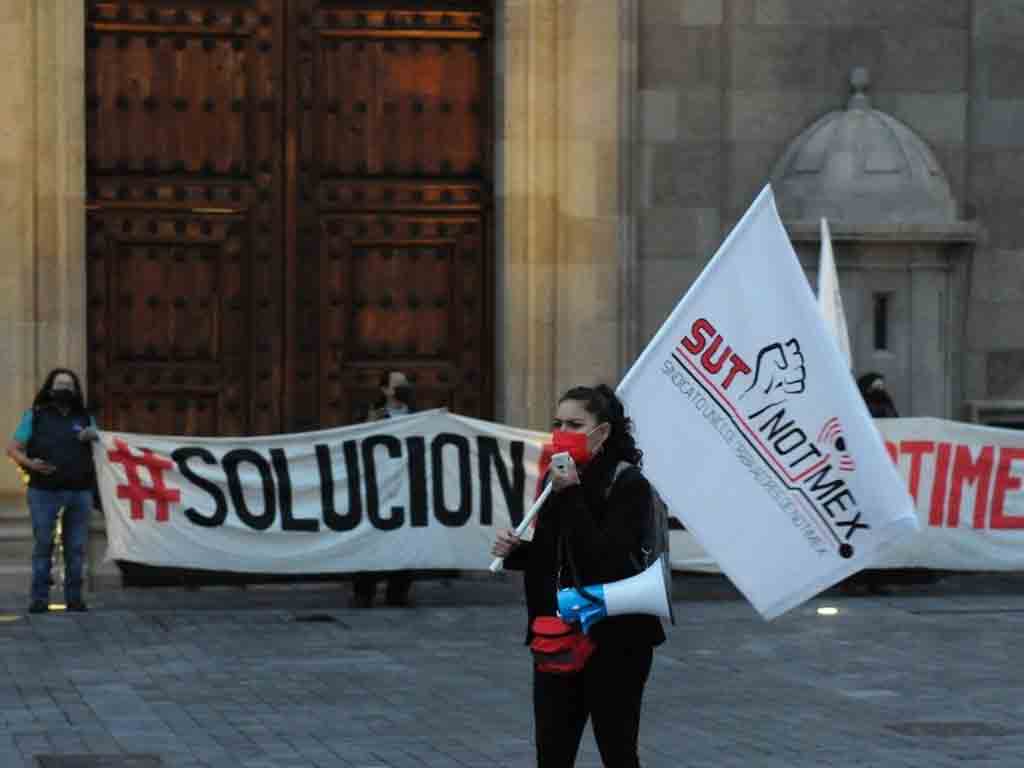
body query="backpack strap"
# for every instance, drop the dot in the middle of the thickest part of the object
(621, 467)
(640, 560)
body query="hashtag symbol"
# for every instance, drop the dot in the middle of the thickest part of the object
(135, 490)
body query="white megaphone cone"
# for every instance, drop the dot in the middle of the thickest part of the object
(647, 592)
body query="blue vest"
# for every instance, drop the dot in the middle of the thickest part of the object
(55, 439)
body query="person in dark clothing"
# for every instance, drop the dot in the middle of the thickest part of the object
(597, 518)
(52, 445)
(396, 400)
(881, 406)
(876, 397)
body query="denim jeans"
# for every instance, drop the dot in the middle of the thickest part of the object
(45, 506)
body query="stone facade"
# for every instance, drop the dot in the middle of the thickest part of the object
(632, 135)
(560, 282)
(726, 85)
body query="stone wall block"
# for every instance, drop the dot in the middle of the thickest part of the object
(701, 13)
(999, 123)
(938, 118)
(699, 114)
(998, 20)
(995, 325)
(975, 370)
(680, 230)
(666, 277)
(681, 175)
(923, 59)
(1003, 65)
(776, 116)
(1004, 374)
(679, 57)
(749, 168)
(777, 58)
(659, 115)
(944, 13)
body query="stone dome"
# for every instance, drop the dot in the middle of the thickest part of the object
(862, 166)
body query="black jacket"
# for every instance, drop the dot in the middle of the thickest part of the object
(600, 531)
(55, 440)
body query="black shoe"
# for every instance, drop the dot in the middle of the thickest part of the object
(77, 606)
(398, 599)
(38, 606)
(362, 601)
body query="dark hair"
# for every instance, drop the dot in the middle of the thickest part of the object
(44, 396)
(403, 392)
(879, 402)
(605, 405)
(865, 382)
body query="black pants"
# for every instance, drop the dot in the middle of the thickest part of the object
(398, 585)
(609, 691)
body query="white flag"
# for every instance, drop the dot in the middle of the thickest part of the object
(754, 432)
(830, 300)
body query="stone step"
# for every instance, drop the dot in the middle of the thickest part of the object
(15, 542)
(13, 508)
(15, 577)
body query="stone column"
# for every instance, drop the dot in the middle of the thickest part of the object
(42, 197)
(18, 220)
(559, 191)
(60, 186)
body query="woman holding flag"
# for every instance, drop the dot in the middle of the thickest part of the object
(589, 531)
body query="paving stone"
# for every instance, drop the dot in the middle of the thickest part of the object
(925, 677)
(98, 761)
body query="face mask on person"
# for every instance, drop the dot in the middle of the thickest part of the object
(62, 396)
(576, 444)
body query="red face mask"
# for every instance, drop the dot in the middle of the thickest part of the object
(573, 443)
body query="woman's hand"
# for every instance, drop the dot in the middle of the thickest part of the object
(505, 543)
(564, 478)
(88, 434)
(41, 467)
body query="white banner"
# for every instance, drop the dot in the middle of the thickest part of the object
(753, 429)
(967, 482)
(421, 491)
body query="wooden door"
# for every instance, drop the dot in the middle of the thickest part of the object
(286, 199)
(389, 120)
(184, 115)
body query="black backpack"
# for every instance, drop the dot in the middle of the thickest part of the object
(655, 542)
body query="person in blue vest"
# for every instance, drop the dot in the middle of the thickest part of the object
(52, 445)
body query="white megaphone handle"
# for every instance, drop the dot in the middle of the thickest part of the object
(496, 564)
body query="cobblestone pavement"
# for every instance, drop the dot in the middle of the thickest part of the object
(288, 675)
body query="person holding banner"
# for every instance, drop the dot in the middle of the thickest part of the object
(589, 531)
(396, 400)
(52, 444)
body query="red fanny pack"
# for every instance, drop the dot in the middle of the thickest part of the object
(559, 647)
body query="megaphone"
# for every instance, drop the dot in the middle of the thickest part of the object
(647, 592)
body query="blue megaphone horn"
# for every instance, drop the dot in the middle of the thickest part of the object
(647, 592)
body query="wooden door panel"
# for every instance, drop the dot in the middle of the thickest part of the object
(398, 106)
(226, 139)
(184, 186)
(392, 128)
(169, 318)
(404, 290)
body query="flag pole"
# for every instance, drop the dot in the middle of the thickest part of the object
(497, 563)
